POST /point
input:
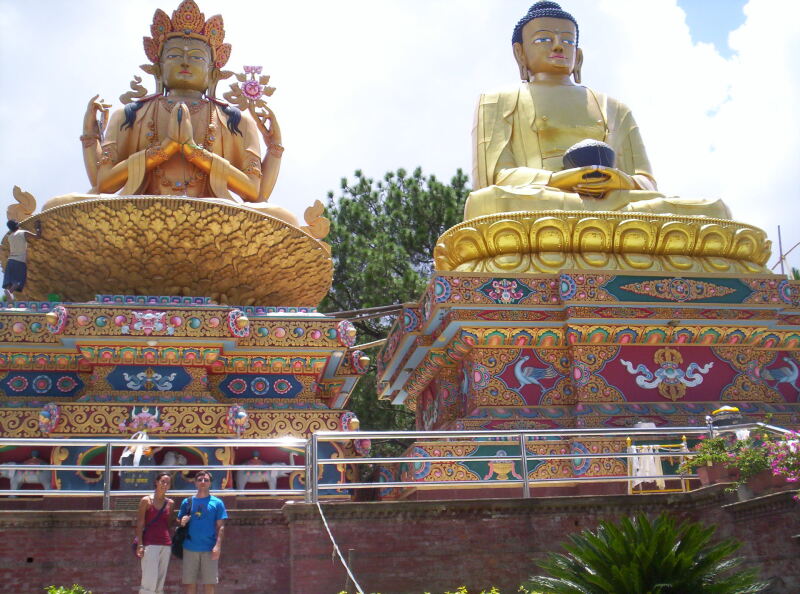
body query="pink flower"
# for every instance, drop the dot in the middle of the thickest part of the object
(252, 69)
(252, 89)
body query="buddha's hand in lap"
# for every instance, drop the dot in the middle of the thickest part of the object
(594, 181)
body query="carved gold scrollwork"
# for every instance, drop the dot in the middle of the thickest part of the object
(470, 245)
(635, 236)
(550, 234)
(209, 248)
(714, 240)
(507, 237)
(675, 239)
(594, 235)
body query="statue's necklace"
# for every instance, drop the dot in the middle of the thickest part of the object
(195, 176)
(194, 106)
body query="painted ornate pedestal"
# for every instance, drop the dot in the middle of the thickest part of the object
(174, 367)
(588, 349)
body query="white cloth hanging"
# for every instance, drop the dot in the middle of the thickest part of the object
(647, 465)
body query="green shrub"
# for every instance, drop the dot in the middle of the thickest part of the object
(463, 590)
(652, 558)
(74, 589)
(711, 450)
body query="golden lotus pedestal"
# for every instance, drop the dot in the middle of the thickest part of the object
(162, 245)
(550, 241)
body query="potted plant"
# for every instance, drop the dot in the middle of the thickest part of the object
(754, 464)
(711, 461)
(750, 457)
(784, 458)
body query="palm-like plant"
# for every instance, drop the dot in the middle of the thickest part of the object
(647, 558)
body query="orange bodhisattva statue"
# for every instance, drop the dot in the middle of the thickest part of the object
(182, 140)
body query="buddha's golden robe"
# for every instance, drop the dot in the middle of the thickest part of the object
(521, 135)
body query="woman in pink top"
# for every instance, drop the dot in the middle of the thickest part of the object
(152, 530)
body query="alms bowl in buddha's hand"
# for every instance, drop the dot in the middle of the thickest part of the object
(589, 152)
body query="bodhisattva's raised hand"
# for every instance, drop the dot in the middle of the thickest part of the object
(93, 129)
(92, 125)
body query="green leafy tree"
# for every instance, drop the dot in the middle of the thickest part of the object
(645, 557)
(382, 238)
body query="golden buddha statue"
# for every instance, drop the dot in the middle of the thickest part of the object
(534, 210)
(521, 135)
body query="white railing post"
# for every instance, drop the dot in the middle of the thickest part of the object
(313, 470)
(308, 495)
(526, 486)
(107, 479)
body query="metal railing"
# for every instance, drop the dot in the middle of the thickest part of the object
(313, 478)
(108, 469)
(523, 438)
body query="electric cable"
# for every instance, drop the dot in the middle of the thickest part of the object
(338, 552)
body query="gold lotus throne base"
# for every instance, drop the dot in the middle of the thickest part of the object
(552, 240)
(162, 245)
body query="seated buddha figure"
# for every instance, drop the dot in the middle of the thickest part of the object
(522, 135)
(182, 140)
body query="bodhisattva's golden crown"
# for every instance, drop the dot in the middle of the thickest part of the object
(187, 21)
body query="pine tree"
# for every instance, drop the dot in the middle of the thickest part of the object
(382, 238)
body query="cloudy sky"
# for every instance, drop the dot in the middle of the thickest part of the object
(382, 84)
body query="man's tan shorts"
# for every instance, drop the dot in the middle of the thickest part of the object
(199, 567)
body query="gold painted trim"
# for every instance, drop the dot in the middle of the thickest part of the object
(162, 245)
(550, 241)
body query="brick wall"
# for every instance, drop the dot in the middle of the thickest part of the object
(394, 548)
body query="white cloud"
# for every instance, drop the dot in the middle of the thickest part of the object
(381, 85)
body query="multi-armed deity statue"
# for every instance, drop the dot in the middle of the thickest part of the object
(183, 305)
(191, 217)
(182, 140)
(554, 145)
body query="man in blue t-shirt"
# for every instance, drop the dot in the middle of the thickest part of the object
(206, 516)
